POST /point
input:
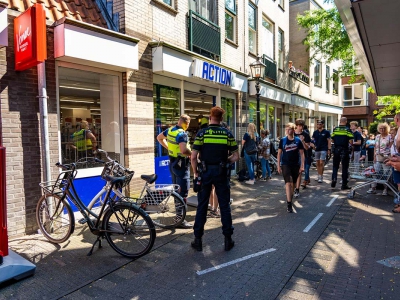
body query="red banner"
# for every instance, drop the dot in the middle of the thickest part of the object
(30, 38)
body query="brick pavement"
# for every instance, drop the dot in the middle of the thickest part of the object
(338, 261)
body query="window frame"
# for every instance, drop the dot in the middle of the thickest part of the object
(172, 3)
(281, 49)
(230, 10)
(234, 25)
(251, 28)
(319, 83)
(265, 18)
(335, 74)
(351, 102)
(327, 79)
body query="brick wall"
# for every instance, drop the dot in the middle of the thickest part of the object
(21, 135)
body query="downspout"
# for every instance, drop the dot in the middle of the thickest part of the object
(44, 121)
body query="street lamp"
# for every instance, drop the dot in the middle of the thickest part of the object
(257, 71)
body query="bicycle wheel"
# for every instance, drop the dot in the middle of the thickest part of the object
(169, 213)
(55, 218)
(129, 230)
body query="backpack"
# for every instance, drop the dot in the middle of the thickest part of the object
(272, 149)
(250, 147)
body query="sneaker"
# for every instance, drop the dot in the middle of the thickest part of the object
(231, 201)
(333, 183)
(372, 191)
(264, 179)
(185, 225)
(296, 193)
(345, 187)
(249, 182)
(384, 193)
(319, 179)
(289, 207)
(396, 200)
(341, 181)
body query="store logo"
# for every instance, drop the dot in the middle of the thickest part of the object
(164, 163)
(209, 71)
(22, 44)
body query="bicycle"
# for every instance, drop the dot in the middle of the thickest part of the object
(161, 201)
(127, 228)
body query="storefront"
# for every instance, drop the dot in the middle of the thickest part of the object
(330, 114)
(185, 83)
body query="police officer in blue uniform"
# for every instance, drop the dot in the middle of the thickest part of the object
(217, 149)
(341, 137)
(175, 140)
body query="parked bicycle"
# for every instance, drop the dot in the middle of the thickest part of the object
(161, 201)
(127, 228)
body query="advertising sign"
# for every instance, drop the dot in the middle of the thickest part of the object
(30, 38)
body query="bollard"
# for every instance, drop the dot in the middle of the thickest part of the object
(3, 205)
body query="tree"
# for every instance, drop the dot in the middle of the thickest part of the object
(391, 105)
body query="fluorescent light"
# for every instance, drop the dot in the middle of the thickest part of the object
(78, 88)
(76, 101)
(63, 107)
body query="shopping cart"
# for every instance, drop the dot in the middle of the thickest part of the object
(370, 172)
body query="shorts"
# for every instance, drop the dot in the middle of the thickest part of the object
(396, 176)
(290, 173)
(320, 155)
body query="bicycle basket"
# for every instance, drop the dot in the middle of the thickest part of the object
(114, 169)
(58, 186)
(159, 192)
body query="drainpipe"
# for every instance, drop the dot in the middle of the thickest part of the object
(44, 122)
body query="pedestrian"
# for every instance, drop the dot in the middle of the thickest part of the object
(370, 147)
(249, 143)
(322, 145)
(342, 137)
(305, 140)
(394, 162)
(84, 141)
(175, 140)
(213, 145)
(290, 161)
(357, 141)
(383, 144)
(265, 154)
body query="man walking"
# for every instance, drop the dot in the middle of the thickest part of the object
(175, 140)
(322, 144)
(341, 136)
(213, 145)
(305, 140)
(290, 161)
(357, 141)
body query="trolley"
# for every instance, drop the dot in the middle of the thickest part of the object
(370, 172)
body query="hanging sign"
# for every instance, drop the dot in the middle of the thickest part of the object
(30, 45)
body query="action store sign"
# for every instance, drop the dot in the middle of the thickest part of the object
(30, 38)
(213, 72)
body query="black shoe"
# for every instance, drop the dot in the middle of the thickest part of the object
(229, 243)
(345, 187)
(289, 207)
(333, 183)
(197, 244)
(185, 225)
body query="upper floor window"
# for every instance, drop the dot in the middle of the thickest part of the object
(230, 20)
(206, 8)
(317, 73)
(354, 95)
(252, 16)
(282, 3)
(327, 79)
(169, 2)
(335, 85)
(281, 49)
(268, 38)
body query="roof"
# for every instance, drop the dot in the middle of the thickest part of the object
(82, 10)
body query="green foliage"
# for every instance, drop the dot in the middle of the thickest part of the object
(373, 128)
(391, 106)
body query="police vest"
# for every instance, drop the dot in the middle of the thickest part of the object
(215, 142)
(341, 136)
(80, 140)
(173, 145)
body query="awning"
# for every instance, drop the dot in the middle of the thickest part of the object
(270, 91)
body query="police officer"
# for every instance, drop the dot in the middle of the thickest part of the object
(213, 145)
(84, 140)
(175, 140)
(341, 137)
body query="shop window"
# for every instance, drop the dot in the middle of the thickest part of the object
(280, 132)
(253, 114)
(252, 19)
(228, 105)
(271, 120)
(93, 98)
(166, 113)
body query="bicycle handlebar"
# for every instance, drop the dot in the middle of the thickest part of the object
(72, 166)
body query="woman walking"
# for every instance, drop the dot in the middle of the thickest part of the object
(249, 143)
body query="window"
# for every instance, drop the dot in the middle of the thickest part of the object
(228, 105)
(354, 95)
(327, 79)
(89, 115)
(268, 38)
(206, 8)
(282, 3)
(252, 29)
(169, 2)
(335, 85)
(317, 73)
(281, 48)
(230, 20)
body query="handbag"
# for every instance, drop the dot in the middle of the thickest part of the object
(250, 147)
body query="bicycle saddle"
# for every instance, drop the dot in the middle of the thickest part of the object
(115, 180)
(149, 178)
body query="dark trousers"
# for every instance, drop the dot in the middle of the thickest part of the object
(181, 178)
(213, 177)
(341, 156)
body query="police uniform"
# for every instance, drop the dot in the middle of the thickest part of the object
(82, 143)
(179, 165)
(341, 137)
(214, 144)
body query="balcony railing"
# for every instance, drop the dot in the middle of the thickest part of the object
(300, 75)
(204, 36)
(270, 68)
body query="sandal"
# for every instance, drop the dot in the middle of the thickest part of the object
(396, 205)
(396, 210)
